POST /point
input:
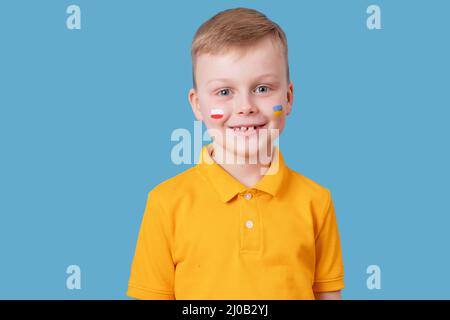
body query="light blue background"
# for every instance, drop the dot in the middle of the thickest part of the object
(86, 117)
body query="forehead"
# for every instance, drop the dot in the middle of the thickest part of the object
(263, 59)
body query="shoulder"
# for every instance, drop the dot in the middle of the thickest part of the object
(305, 189)
(312, 197)
(306, 186)
(180, 186)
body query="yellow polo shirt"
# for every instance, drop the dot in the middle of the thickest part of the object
(204, 235)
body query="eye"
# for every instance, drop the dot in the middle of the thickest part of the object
(224, 92)
(262, 89)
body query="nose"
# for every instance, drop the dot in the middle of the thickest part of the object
(245, 106)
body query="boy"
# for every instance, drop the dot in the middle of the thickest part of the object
(236, 226)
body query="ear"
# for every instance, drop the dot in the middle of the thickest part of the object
(193, 100)
(289, 98)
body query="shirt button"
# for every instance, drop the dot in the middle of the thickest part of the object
(248, 196)
(249, 224)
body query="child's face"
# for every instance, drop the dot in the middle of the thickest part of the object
(239, 95)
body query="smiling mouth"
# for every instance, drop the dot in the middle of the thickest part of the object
(246, 129)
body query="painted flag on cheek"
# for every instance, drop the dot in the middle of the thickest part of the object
(277, 110)
(216, 113)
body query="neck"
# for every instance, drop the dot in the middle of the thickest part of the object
(246, 173)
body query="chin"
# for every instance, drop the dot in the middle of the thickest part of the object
(254, 152)
(249, 152)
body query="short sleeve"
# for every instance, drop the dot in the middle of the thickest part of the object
(329, 272)
(152, 269)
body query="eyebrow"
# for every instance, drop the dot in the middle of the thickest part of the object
(263, 76)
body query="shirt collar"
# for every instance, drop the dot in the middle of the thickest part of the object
(227, 186)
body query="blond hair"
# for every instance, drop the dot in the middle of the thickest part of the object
(235, 28)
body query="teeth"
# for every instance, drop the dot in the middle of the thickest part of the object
(244, 129)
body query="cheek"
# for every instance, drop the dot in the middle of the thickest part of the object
(276, 112)
(281, 122)
(277, 116)
(215, 115)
